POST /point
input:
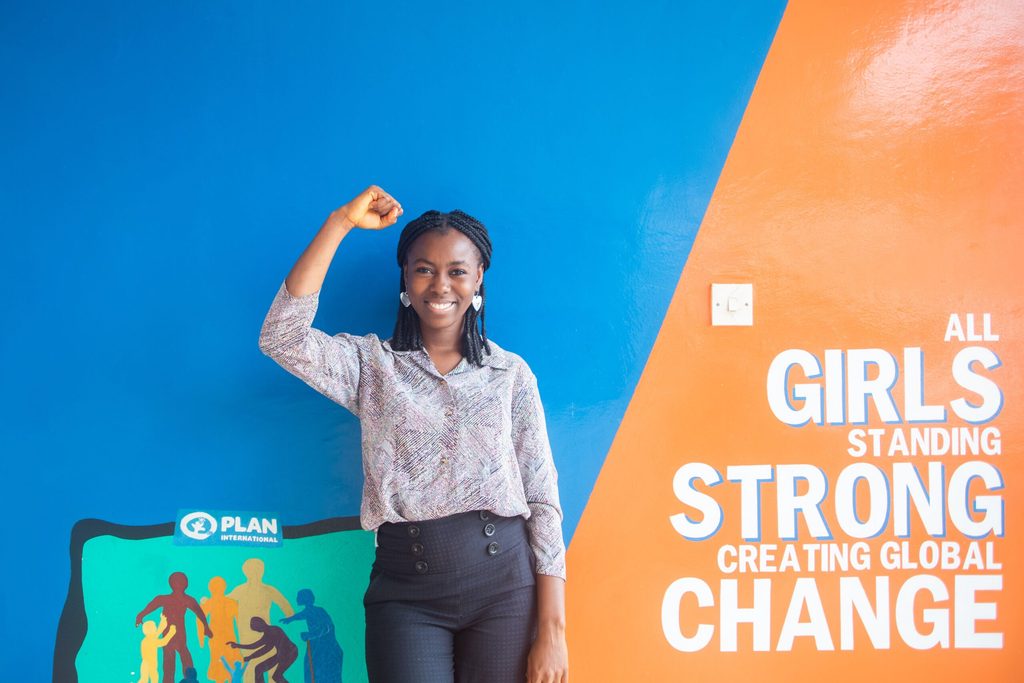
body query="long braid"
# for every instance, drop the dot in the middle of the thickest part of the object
(407, 336)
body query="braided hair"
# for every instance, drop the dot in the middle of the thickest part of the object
(406, 336)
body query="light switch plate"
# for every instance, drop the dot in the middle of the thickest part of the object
(732, 304)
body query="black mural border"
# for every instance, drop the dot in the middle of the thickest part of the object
(72, 627)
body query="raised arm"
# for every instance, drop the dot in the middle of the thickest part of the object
(171, 630)
(373, 209)
(331, 365)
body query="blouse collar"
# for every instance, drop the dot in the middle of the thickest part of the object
(496, 359)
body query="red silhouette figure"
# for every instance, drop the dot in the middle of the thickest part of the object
(274, 639)
(174, 606)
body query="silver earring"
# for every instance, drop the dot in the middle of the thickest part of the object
(404, 298)
(478, 301)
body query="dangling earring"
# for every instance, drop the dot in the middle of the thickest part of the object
(404, 298)
(478, 301)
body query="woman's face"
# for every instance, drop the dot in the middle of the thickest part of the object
(442, 272)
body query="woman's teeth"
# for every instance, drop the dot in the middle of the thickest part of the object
(441, 307)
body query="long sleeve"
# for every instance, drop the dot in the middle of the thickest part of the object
(540, 479)
(331, 365)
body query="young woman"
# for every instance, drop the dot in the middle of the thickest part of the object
(468, 580)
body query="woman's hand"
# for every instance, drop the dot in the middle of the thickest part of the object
(549, 659)
(373, 209)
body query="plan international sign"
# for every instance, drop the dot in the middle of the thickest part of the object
(216, 527)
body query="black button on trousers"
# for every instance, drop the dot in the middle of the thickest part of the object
(449, 602)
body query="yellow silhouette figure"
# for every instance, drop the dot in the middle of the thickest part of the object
(222, 614)
(151, 642)
(255, 599)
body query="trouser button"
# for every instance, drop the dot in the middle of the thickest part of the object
(417, 548)
(492, 548)
(414, 531)
(485, 515)
(421, 567)
(489, 530)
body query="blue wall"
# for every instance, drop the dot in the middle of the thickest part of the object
(165, 163)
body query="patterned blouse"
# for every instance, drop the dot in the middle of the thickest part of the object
(433, 444)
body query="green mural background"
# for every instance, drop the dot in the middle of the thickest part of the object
(121, 576)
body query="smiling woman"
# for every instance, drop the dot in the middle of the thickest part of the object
(460, 484)
(443, 257)
(441, 294)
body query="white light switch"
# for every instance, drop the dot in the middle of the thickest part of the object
(732, 304)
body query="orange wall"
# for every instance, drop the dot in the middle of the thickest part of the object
(872, 191)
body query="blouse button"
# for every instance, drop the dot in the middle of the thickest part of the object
(449, 411)
(492, 548)
(489, 530)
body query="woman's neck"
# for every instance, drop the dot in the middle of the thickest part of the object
(438, 344)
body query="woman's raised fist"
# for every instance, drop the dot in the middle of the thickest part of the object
(373, 209)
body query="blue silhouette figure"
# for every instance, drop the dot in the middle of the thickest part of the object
(237, 672)
(322, 663)
(190, 675)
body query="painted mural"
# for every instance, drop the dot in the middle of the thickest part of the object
(225, 613)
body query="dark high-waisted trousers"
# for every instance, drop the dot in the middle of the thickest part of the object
(451, 600)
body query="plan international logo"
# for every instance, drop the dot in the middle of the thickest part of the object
(216, 527)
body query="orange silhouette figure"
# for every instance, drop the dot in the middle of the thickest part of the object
(222, 614)
(174, 606)
(255, 599)
(151, 642)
